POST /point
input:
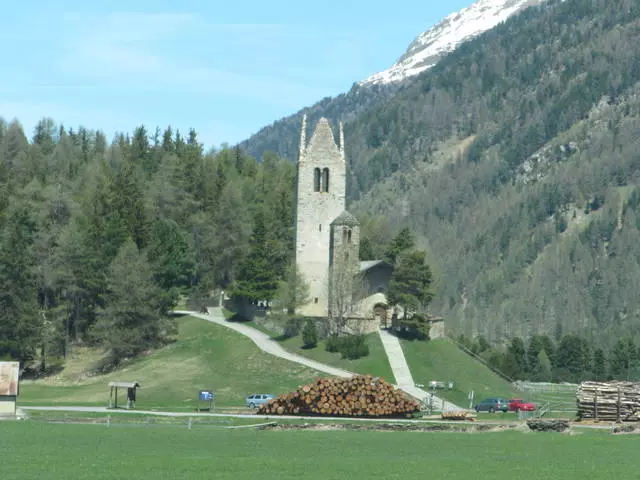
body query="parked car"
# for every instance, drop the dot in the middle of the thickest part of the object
(517, 404)
(492, 405)
(257, 399)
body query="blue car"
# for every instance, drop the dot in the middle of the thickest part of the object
(492, 405)
(257, 399)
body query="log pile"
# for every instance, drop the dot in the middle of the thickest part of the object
(610, 401)
(459, 415)
(359, 396)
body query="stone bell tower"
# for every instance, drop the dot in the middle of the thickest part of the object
(320, 199)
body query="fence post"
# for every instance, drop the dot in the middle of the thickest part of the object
(108, 421)
(189, 424)
(618, 405)
(595, 405)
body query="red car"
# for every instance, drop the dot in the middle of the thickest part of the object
(516, 404)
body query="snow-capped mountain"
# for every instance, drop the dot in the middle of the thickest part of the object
(432, 45)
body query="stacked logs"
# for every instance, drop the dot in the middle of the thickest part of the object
(610, 401)
(359, 396)
(458, 415)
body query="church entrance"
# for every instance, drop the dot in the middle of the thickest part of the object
(380, 314)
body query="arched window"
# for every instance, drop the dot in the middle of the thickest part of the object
(325, 180)
(316, 179)
(349, 236)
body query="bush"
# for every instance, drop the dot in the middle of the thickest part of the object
(350, 347)
(293, 327)
(353, 347)
(310, 334)
(332, 344)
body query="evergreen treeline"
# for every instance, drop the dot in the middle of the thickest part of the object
(98, 239)
(571, 359)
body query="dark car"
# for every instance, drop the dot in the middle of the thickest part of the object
(492, 405)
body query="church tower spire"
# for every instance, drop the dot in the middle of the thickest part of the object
(320, 199)
(303, 137)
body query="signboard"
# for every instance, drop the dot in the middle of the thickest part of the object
(206, 396)
(9, 373)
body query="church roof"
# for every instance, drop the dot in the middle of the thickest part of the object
(322, 137)
(345, 218)
(369, 264)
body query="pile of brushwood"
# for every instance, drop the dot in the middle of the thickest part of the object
(609, 401)
(359, 396)
(548, 425)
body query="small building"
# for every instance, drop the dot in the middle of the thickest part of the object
(9, 387)
(131, 393)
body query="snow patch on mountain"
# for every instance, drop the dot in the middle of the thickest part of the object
(426, 50)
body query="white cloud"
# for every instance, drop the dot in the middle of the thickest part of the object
(126, 51)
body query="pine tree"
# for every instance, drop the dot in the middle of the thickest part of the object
(599, 365)
(257, 280)
(309, 334)
(20, 323)
(133, 319)
(542, 371)
(401, 243)
(410, 283)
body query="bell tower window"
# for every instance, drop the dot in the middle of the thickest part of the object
(325, 180)
(316, 179)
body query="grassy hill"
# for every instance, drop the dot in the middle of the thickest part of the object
(204, 356)
(439, 360)
(442, 360)
(375, 363)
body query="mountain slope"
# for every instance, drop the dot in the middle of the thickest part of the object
(429, 47)
(424, 52)
(515, 161)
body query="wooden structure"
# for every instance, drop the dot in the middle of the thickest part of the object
(131, 393)
(9, 387)
(360, 396)
(609, 401)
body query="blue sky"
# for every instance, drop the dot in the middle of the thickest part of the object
(224, 68)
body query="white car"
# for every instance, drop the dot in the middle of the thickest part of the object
(257, 399)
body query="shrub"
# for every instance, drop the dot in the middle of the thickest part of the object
(309, 334)
(293, 327)
(350, 347)
(332, 344)
(353, 347)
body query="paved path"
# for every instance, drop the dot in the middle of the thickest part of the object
(402, 372)
(200, 414)
(233, 415)
(265, 343)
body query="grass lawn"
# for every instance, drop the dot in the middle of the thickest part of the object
(50, 452)
(205, 356)
(443, 361)
(376, 363)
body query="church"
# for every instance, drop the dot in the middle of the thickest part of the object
(328, 237)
